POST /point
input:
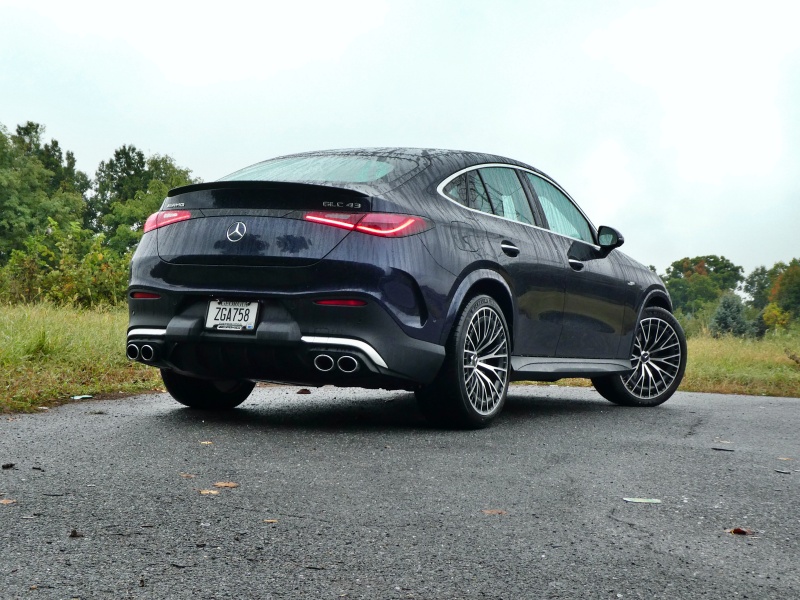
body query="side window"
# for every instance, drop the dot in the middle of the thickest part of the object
(457, 190)
(562, 215)
(478, 198)
(506, 195)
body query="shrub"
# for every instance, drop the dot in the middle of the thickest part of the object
(729, 317)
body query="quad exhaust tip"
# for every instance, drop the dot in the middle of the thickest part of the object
(323, 363)
(147, 353)
(347, 364)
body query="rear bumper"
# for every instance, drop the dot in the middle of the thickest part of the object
(290, 334)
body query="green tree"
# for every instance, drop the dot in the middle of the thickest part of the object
(125, 219)
(695, 282)
(125, 179)
(116, 180)
(725, 275)
(27, 197)
(691, 294)
(65, 177)
(786, 290)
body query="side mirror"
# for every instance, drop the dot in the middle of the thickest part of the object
(609, 238)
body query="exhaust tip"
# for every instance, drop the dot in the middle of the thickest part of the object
(132, 352)
(347, 364)
(147, 353)
(323, 363)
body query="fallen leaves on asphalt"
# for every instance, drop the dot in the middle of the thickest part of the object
(209, 492)
(494, 511)
(187, 475)
(206, 443)
(740, 531)
(270, 520)
(226, 484)
(7, 501)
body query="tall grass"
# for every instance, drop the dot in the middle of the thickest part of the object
(729, 365)
(48, 354)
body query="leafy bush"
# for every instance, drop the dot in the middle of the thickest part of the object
(65, 266)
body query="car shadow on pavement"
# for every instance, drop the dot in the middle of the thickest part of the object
(367, 412)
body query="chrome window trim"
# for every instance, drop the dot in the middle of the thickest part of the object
(443, 184)
(147, 332)
(335, 341)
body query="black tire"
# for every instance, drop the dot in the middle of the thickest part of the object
(206, 394)
(659, 360)
(470, 390)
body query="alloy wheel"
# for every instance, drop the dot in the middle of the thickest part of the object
(656, 358)
(485, 361)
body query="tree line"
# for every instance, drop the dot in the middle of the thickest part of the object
(707, 294)
(66, 237)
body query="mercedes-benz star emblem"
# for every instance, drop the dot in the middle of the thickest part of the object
(236, 231)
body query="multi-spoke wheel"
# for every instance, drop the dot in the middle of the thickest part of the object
(658, 359)
(471, 388)
(208, 394)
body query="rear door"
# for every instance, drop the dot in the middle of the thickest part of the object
(527, 255)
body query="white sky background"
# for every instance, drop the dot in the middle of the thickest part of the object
(677, 122)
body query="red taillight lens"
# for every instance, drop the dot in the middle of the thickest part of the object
(380, 224)
(341, 302)
(145, 296)
(167, 217)
(341, 220)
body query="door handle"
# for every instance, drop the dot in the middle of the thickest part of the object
(576, 264)
(509, 248)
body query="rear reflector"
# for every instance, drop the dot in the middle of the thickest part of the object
(163, 218)
(380, 224)
(145, 296)
(341, 302)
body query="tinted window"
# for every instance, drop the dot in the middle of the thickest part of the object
(562, 215)
(506, 195)
(478, 198)
(457, 190)
(338, 168)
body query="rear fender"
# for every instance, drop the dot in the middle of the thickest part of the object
(477, 282)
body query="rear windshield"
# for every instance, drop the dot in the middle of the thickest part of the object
(330, 168)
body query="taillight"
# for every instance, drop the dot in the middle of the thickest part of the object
(380, 224)
(163, 218)
(145, 296)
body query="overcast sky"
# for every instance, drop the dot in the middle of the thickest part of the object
(677, 122)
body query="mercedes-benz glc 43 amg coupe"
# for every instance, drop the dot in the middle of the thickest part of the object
(449, 274)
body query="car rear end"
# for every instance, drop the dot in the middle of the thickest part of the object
(284, 281)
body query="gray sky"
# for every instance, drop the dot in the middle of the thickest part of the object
(677, 122)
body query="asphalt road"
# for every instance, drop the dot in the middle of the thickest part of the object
(349, 494)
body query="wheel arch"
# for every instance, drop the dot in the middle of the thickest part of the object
(655, 298)
(481, 281)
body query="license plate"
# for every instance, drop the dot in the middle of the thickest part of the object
(231, 315)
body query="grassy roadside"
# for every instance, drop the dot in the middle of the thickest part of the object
(48, 354)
